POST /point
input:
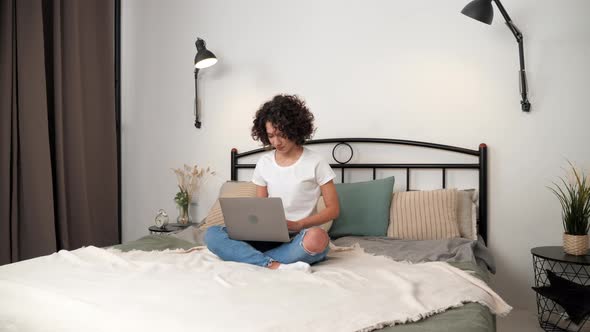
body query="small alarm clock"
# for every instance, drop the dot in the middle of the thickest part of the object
(161, 218)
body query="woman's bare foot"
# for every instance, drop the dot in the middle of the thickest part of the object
(274, 265)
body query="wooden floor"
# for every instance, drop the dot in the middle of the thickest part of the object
(519, 320)
(523, 321)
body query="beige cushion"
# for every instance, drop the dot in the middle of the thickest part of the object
(228, 189)
(466, 213)
(424, 215)
(232, 188)
(319, 207)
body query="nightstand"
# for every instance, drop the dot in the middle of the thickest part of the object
(574, 268)
(169, 228)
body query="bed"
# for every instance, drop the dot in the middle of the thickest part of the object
(167, 281)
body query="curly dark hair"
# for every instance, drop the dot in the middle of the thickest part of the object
(287, 113)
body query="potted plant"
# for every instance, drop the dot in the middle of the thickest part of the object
(574, 196)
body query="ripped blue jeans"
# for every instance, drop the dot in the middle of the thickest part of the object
(219, 243)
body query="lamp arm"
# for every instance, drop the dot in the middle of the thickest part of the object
(525, 104)
(197, 122)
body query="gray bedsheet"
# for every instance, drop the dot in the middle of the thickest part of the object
(451, 250)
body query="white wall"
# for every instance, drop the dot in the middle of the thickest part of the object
(399, 69)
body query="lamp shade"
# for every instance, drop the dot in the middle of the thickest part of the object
(204, 58)
(480, 10)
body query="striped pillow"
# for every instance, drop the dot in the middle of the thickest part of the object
(424, 215)
(228, 189)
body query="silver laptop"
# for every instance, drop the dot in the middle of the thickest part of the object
(255, 219)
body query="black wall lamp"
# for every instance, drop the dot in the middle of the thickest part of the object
(482, 11)
(203, 59)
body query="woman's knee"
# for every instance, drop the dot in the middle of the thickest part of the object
(316, 240)
(213, 235)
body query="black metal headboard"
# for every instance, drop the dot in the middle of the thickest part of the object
(481, 166)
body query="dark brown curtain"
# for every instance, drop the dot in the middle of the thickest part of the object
(58, 138)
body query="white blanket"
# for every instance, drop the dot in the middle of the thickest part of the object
(92, 289)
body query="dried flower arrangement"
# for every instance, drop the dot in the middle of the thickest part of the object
(189, 180)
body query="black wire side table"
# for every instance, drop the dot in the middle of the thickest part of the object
(552, 317)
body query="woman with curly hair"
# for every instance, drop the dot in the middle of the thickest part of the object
(295, 174)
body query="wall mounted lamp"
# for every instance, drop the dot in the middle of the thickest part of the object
(203, 59)
(482, 11)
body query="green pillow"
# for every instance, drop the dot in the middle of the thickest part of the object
(364, 208)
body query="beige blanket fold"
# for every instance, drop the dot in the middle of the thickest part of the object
(93, 289)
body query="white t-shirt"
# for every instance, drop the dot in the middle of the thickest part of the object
(298, 185)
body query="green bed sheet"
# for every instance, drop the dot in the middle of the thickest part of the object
(155, 242)
(471, 317)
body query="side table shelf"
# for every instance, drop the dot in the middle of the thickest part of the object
(169, 228)
(552, 317)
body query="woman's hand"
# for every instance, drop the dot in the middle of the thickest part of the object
(294, 226)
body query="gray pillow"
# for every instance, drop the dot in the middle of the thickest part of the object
(364, 208)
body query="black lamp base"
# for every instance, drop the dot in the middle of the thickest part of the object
(197, 124)
(526, 106)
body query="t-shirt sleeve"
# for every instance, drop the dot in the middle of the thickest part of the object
(257, 178)
(323, 172)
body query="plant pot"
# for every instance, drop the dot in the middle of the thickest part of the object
(575, 244)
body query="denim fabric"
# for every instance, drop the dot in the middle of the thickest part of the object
(219, 243)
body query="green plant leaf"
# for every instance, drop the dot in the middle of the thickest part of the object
(574, 199)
